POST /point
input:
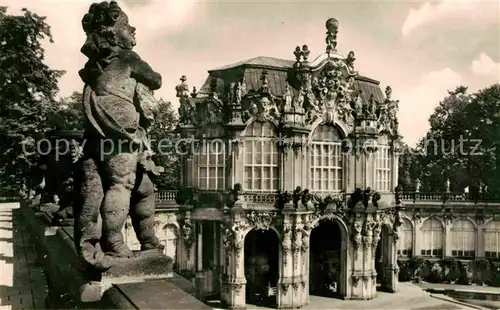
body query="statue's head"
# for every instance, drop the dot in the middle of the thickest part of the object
(106, 27)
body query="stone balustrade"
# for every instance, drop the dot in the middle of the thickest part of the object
(168, 196)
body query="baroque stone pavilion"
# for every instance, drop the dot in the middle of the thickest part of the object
(308, 149)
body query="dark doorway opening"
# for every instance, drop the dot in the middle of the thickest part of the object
(382, 258)
(325, 259)
(261, 267)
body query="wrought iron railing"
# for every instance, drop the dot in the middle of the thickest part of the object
(168, 196)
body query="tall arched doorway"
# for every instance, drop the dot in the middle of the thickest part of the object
(261, 267)
(326, 260)
(383, 257)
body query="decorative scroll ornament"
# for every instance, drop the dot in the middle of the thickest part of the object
(260, 104)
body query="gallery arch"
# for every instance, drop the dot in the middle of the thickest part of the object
(432, 237)
(492, 239)
(327, 260)
(405, 243)
(261, 266)
(463, 244)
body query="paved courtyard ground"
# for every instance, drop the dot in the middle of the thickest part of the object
(22, 284)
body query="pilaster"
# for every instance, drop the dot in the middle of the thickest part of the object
(363, 278)
(285, 291)
(234, 282)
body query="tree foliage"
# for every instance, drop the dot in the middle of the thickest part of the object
(67, 114)
(163, 142)
(27, 90)
(462, 144)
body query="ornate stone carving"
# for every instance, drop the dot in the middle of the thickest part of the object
(286, 242)
(284, 287)
(295, 286)
(332, 26)
(261, 104)
(367, 232)
(364, 196)
(398, 221)
(355, 280)
(123, 113)
(260, 219)
(187, 234)
(357, 227)
(387, 113)
(377, 229)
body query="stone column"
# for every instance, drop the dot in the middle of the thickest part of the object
(284, 299)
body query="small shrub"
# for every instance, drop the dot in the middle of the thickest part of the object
(416, 265)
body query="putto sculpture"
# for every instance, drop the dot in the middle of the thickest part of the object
(117, 169)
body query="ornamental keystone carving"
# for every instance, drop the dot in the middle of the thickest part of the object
(261, 219)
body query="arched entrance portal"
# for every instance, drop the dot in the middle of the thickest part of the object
(383, 257)
(326, 260)
(261, 267)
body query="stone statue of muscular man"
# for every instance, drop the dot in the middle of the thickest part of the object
(116, 167)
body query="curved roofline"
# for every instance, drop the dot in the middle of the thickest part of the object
(250, 63)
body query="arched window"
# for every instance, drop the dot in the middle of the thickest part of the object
(211, 161)
(464, 239)
(169, 240)
(382, 168)
(261, 158)
(405, 243)
(432, 237)
(326, 160)
(492, 239)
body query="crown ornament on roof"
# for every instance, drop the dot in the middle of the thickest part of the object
(332, 27)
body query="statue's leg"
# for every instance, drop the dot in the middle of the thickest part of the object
(142, 213)
(88, 221)
(121, 169)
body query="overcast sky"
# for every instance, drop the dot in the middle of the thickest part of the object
(420, 49)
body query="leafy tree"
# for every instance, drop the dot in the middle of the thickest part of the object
(163, 138)
(27, 90)
(459, 124)
(67, 114)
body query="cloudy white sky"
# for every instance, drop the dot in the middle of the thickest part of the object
(420, 49)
